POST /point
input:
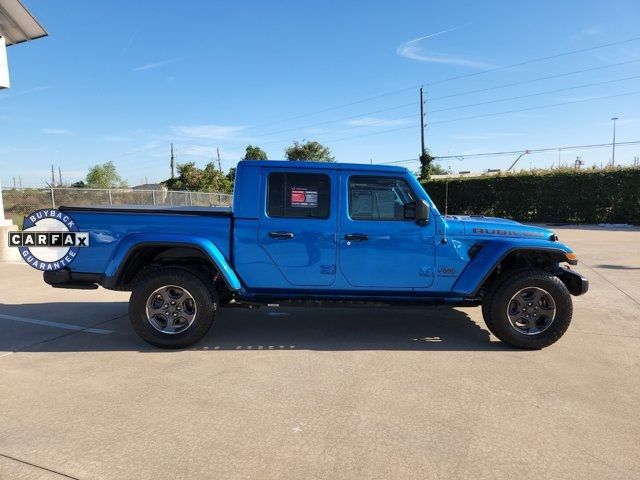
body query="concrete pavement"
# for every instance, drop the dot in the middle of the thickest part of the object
(325, 393)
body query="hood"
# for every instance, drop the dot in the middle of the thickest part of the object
(488, 226)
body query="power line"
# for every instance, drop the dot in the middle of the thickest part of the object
(536, 60)
(533, 80)
(484, 115)
(396, 107)
(566, 89)
(540, 107)
(515, 152)
(432, 99)
(372, 123)
(449, 79)
(404, 117)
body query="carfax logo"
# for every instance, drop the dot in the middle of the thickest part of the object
(49, 240)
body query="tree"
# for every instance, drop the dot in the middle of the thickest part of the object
(189, 177)
(437, 169)
(426, 160)
(254, 153)
(213, 180)
(105, 176)
(192, 178)
(231, 176)
(308, 152)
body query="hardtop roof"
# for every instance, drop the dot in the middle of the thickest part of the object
(323, 165)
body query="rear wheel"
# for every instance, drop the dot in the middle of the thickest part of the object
(528, 309)
(172, 308)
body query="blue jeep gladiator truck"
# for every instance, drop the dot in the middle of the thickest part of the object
(313, 233)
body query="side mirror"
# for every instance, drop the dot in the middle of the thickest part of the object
(422, 211)
(418, 211)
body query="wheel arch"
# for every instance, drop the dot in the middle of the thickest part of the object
(137, 251)
(492, 258)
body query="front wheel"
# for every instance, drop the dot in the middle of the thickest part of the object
(528, 309)
(172, 308)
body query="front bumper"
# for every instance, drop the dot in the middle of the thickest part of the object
(575, 283)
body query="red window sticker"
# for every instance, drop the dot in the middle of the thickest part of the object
(301, 197)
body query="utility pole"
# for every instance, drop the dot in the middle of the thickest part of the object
(60, 175)
(14, 182)
(219, 164)
(422, 123)
(53, 177)
(173, 165)
(425, 159)
(613, 152)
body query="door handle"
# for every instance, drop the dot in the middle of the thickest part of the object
(356, 237)
(281, 235)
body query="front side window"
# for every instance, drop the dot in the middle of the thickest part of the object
(378, 198)
(298, 195)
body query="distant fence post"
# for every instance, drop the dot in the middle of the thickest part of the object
(153, 196)
(53, 199)
(190, 200)
(110, 199)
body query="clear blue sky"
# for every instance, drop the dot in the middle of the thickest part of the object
(121, 80)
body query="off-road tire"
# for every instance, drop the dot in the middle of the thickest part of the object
(498, 297)
(204, 298)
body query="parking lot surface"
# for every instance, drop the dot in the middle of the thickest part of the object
(329, 393)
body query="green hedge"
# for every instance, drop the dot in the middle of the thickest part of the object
(583, 196)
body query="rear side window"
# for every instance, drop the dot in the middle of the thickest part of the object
(378, 198)
(298, 195)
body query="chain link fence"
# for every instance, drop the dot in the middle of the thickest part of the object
(19, 202)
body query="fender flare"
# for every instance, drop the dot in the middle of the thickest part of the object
(480, 267)
(133, 242)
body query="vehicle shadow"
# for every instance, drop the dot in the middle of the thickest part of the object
(616, 267)
(288, 328)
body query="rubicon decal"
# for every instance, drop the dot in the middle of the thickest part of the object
(50, 239)
(497, 231)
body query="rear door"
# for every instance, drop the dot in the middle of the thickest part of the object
(298, 224)
(379, 248)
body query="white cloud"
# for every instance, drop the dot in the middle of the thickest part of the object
(376, 122)
(209, 132)
(56, 131)
(207, 152)
(198, 151)
(151, 66)
(587, 32)
(413, 51)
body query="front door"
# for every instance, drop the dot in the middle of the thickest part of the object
(297, 227)
(379, 248)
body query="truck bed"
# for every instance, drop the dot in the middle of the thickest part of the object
(150, 209)
(111, 227)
